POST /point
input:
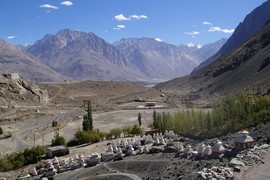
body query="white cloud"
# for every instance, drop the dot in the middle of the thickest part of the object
(216, 28)
(121, 17)
(191, 44)
(193, 33)
(138, 17)
(199, 46)
(49, 6)
(66, 3)
(158, 39)
(11, 37)
(118, 27)
(207, 23)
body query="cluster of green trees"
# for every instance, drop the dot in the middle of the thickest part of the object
(17, 160)
(237, 112)
(89, 136)
(96, 135)
(126, 131)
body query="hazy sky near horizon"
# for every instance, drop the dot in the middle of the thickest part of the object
(172, 21)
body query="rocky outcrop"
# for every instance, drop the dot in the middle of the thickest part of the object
(14, 91)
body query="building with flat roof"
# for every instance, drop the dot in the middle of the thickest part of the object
(57, 151)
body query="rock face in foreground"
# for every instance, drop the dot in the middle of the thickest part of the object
(15, 91)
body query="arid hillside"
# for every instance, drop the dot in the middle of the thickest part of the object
(246, 66)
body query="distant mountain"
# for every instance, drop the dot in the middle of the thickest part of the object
(84, 56)
(209, 50)
(251, 24)
(157, 60)
(14, 60)
(206, 51)
(246, 66)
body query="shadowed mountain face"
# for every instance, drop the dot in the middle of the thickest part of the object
(14, 60)
(248, 65)
(251, 24)
(84, 56)
(157, 60)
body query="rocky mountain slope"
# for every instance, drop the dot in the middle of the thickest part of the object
(15, 91)
(14, 60)
(246, 29)
(84, 56)
(157, 60)
(246, 66)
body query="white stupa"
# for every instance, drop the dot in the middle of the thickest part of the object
(201, 149)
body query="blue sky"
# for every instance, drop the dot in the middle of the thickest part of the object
(172, 21)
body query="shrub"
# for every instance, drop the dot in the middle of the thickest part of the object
(116, 132)
(73, 142)
(136, 129)
(58, 140)
(127, 130)
(89, 136)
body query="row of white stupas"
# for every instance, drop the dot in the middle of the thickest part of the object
(50, 168)
(203, 150)
(241, 141)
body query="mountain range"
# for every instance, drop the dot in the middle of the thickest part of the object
(78, 55)
(82, 55)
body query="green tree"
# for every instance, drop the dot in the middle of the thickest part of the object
(88, 119)
(58, 140)
(140, 119)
